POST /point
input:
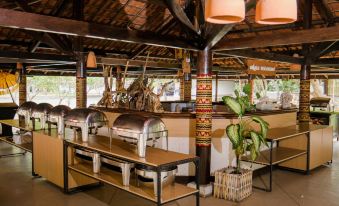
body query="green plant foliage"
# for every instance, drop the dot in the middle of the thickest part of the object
(242, 135)
(234, 105)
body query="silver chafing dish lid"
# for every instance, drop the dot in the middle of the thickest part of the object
(139, 124)
(85, 115)
(26, 107)
(59, 111)
(42, 108)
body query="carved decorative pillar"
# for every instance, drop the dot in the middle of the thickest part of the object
(22, 85)
(204, 114)
(81, 82)
(187, 87)
(182, 87)
(304, 98)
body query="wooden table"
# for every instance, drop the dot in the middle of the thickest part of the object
(278, 154)
(157, 159)
(28, 147)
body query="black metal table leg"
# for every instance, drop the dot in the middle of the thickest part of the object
(158, 186)
(271, 167)
(197, 181)
(65, 152)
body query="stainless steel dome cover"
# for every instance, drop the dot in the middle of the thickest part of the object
(85, 115)
(58, 111)
(26, 108)
(140, 128)
(139, 124)
(41, 109)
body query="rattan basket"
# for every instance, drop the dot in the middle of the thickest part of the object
(234, 187)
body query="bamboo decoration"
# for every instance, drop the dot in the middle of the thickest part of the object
(107, 99)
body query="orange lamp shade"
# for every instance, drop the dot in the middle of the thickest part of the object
(91, 60)
(224, 11)
(276, 12)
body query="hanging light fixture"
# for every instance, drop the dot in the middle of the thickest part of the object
(276, 12)
(91, 60)
(224, 11)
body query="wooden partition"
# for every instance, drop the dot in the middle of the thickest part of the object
(48, 160)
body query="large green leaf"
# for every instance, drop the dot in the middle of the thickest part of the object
(256, 140)
(263, 125)
(254, 153)
(232, 132)
(233, 105)
(247, 89)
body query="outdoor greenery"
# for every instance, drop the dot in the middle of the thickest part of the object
(243, 136)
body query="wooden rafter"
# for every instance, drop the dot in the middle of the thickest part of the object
(284, 38)
(29, 21)
(262, 55)
(324, 11)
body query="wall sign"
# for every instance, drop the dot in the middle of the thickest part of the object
(259, 67)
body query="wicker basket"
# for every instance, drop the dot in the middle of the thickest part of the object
(234, 187)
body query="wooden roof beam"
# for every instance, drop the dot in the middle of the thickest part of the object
(283, 38)
(261, 55)
(37, 22)
(324, 11)
(25, 57)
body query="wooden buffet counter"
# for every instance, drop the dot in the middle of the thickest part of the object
(48, 160)
(181, 131)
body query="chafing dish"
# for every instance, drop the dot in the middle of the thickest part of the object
(85, 119)
(25, 111)
(56, 116)
(167, 176)
(140, 129)
(40, 112)
(124, 166)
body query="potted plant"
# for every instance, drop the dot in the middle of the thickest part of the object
(235, 183)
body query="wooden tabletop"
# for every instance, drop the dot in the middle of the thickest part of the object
(280, 133)
(123, 150)
(15, 123)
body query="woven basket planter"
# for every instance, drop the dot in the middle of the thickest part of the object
(234, 187)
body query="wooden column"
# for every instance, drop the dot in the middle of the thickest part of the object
(187, 86)
(204, 114)
(22, 86)
(304, 97)
(182, 87)
(216, 86)
(305, 71)
(81, 81)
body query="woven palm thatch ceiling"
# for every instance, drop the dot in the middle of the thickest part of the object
(43, 33)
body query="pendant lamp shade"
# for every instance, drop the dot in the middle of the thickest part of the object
(224, 11)
(91, 60)
(273, 12)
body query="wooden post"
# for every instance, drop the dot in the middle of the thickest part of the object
(305, 71)
(304, 98)
(22, 85)
(187, 87)
(204, 114)
(182, 87)
(81, 81)
(216, 86)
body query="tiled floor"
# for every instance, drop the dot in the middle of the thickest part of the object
(17, 187)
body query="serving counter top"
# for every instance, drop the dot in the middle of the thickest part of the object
(192, 115)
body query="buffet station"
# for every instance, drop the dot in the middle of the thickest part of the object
(132, 141)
